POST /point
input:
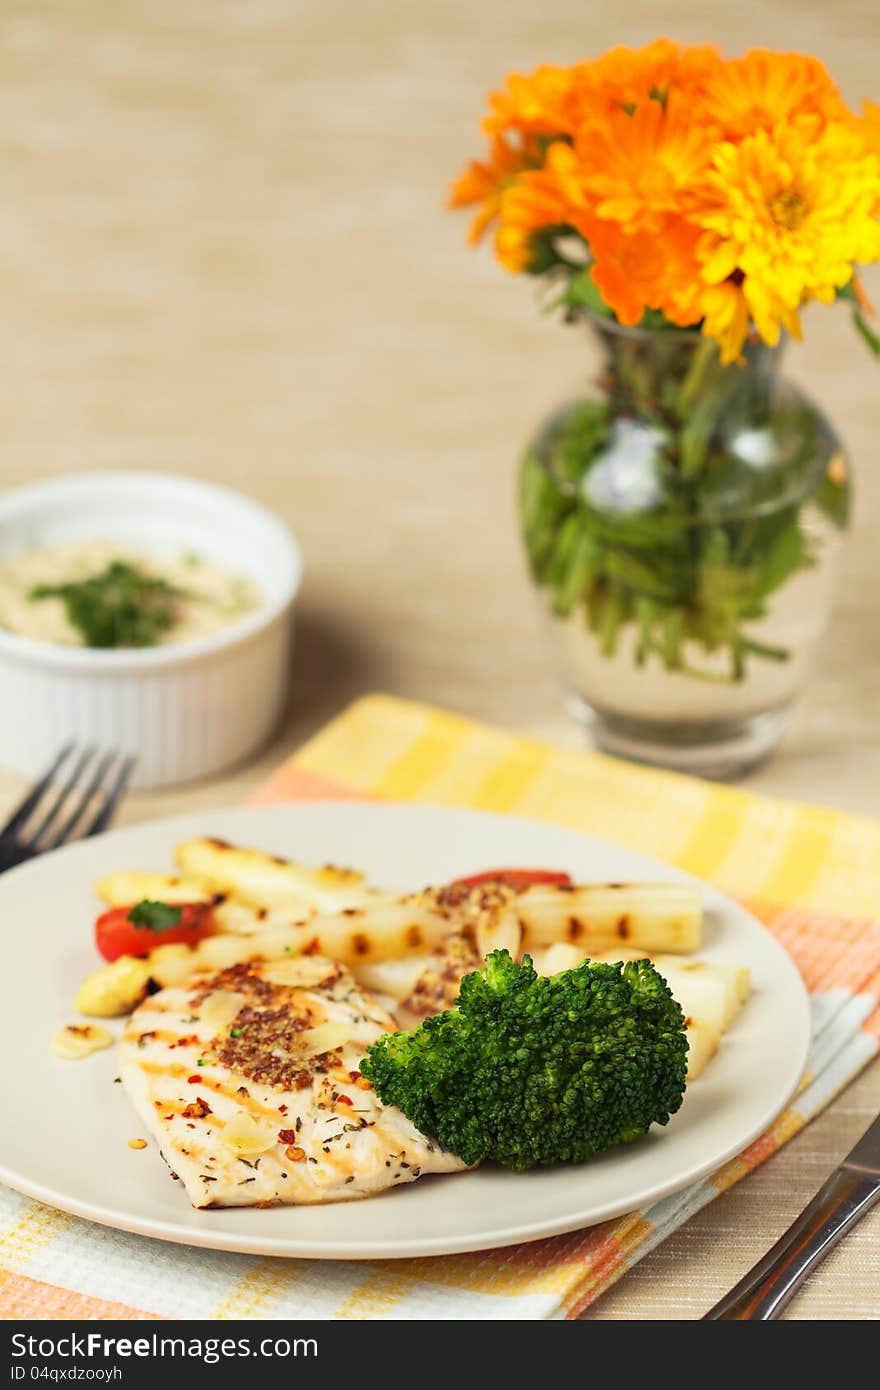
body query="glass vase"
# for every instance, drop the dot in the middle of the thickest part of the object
(681, 526)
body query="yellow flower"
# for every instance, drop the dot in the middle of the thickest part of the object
(788, 213)
(725, 314)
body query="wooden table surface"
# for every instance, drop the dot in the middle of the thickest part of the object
(223, 253)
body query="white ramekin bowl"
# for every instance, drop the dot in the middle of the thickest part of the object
(186, 709)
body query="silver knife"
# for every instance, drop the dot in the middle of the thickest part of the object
(852, 1190)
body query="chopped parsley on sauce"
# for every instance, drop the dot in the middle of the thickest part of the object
(119, 607)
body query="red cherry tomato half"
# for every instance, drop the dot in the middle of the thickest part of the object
(518, 878)
(116, 936)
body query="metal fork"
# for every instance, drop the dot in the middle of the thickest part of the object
(76, 797)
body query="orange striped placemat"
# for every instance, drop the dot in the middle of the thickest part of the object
(809, 874)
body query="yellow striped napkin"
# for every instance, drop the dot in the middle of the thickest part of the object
(809, 874)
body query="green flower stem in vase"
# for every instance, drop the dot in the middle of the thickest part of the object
(681, 526)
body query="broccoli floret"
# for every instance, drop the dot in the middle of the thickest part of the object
(530, 1070)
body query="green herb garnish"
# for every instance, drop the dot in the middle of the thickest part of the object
(155, 916)
(121, 607)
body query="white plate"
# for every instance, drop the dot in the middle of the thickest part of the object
(66, 1126)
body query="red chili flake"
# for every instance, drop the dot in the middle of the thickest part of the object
(344, 1100)
(193, 1080)
(282, 1110)
(197, 1109)
(287, 1136)
(353, 1075)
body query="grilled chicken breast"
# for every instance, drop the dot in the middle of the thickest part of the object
(248, 1079)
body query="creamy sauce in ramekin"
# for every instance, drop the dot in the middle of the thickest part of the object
(207, 598)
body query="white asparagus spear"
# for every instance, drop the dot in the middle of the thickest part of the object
(125, 889)
(704, 1036)
(266, 880)
(649, 916)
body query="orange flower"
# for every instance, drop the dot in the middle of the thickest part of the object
(630, 178)
(534, 105)
(643, 270)
(537, 199)
(765, 89)
(484, 182)
(713, 192)
(641, 167)
(558, 101)
(624, 78)
(514, 246)
(871, 124)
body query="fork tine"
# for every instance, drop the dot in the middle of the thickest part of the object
(93, 787)
(112, 795)
(26, 808)
(79, 766)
